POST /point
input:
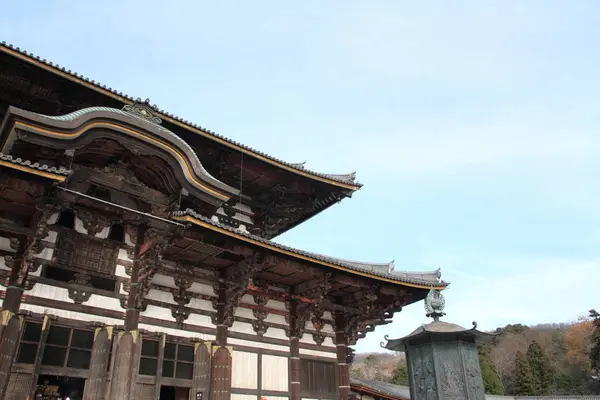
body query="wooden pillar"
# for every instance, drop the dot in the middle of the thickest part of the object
(201, 380)
(128, 341)
(341, 343)
(294, 363)
(95, 388)
(220, 385)
(11, 325)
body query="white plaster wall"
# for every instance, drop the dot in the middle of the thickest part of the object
(243, 397)
(266, 346)
(201, 288)
(274, 373)
(49, 292)
(244, 370)
(315, 353)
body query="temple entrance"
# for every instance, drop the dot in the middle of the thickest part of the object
(174, 393)
(52, 387)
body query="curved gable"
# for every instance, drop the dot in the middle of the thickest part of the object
(136, 127)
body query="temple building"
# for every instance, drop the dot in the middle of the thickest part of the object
(138, 261)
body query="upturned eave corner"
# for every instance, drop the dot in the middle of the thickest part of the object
(189, 216)
(331, 179)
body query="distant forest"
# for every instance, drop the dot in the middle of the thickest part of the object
(526, 361)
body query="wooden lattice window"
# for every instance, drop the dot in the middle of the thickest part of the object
(67, 347)
(149, 358)
(317, 377)
(30, 341)
(178, 361)
(87, 253)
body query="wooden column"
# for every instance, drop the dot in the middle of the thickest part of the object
(201, 380)
(95, 388)
(128, 341)
(295, 333)
(220, 382)
(341, 343)
(11, 324)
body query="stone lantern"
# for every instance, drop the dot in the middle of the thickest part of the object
(441, 357)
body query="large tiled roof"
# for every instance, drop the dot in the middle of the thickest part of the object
(346, 179)
(385, 271)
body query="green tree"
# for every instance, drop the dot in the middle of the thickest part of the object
(526, 383)
(400, 374)
(541, 367)
(492, 383)
(595, 341)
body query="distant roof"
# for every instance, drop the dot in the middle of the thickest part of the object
(383, 389)
(398, 392)
(433, 328)
(344, 180)
(376, 270)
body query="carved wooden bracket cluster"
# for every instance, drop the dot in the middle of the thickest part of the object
(150, 262)
(94, 222)
(298, 315)
(233, 285)
(316, 291)
(318, 324)
(32, 246)
(260, 313)
(182, 297)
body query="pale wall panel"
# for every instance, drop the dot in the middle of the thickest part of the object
(201, 288)
(244, 370)
(242, 327)
(274, 373)
(318, 353)
(201, 304)
(158, 313)
(258, 345)
(199, 320)
(50, 292)
(109, 303)
(163, 280)
(276, 333)
(242, 397)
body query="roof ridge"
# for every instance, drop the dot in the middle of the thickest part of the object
(345, 179)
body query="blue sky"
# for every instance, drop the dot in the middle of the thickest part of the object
(473, 125)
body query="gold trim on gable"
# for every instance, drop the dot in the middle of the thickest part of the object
(164, 146)
(195, 221)
(190, 128)
(33, 171)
